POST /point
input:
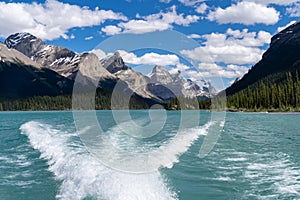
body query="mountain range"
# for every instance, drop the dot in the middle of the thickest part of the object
(30, 67)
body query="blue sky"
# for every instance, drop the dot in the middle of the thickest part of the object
(234, 34)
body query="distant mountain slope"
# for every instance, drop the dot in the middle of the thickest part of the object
(21, 77)
(283, 55)
(59, 59)
(273, 83)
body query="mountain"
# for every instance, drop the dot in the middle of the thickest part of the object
(21, 77)
(63, 61)
(273, 83)
(282, 55)
(68, 65)
(168, 86)
(136, 81)
(59, 59)
(159, 86)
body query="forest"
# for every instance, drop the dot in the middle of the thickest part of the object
(276, 92)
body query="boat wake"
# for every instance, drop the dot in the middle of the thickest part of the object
(83, 176)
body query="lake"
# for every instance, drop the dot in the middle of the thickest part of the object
(45, 155)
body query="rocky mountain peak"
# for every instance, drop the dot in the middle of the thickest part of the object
(114, 63)
(159, 69)
(25, 42)
(160, 75)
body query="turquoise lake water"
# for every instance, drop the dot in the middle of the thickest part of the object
(256, 157)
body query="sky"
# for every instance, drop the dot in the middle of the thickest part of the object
(224, 37)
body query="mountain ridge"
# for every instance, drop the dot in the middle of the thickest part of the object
(68, 63)
(282, 55)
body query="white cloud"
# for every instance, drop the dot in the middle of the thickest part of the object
(101, 54)
(51, 19)
(72, 37)
(208, 70)
(149, 58)
(157, 22)
(209, 67)
(142, 26)
(229, 71)
(190, 2)
(294, 10)
(248, 13)
(111, 30)
(89, 38)
(277, 2)
(201, 9)
(194, 36)
(233, 47)
(165, 1)
(284, 27)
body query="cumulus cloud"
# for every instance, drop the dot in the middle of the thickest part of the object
(248, 13)
(209, 70)
(284, 27)
(51, 19)
(201, 9)
(98, 52)
(233, 47)
(194, 36)
(149, 58)
(155, 22)
(111, 30)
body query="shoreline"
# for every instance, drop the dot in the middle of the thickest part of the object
(206, 110)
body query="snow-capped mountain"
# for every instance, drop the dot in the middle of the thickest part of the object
(22, 77)
(57, 58)
(159, 85)
(177, 84)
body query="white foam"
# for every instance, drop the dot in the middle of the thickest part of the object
(224, 178)
(236, 159)
(282, 175)
(83, 176)
(165, 156)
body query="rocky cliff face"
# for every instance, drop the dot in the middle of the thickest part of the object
(26, 43)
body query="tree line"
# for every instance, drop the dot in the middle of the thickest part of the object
(276, 92)
(99, 101)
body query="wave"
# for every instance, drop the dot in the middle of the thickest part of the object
(282, 175)
(82, 175)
